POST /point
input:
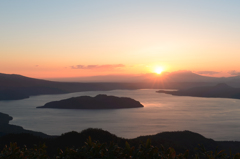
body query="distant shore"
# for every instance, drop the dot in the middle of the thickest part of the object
(221, 90)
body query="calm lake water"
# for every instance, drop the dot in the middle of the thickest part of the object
(214, 118)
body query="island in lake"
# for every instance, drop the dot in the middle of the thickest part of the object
(98, 102)
(221, 90)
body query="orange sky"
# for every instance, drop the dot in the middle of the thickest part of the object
(71, 39)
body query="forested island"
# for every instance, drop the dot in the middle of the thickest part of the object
(98, 102)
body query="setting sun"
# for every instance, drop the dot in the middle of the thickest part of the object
(158, 70)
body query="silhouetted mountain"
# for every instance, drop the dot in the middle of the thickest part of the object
(221, 90)
(14, 87)
(188, 76)
(97, 102)
(177, 76)
(183, 139)
(6, 128)
(11, 94)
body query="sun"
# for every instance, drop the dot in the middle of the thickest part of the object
(158, 70)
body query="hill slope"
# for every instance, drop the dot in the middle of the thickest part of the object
(180, 140)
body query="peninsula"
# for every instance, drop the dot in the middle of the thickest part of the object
(98, 102)
(6, 128)
(221, 90)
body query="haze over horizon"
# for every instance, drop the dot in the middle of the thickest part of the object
(67, 39)
(176, 76)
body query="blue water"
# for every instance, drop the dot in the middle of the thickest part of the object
(214, 118)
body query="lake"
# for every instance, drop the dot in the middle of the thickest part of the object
(214, 118)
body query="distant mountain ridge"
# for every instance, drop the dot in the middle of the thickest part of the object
(221, 90)
(178, 76)
(14, 87)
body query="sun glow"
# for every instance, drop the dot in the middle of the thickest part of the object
(158, 70)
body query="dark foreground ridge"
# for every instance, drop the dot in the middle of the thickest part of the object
(179, 140)
(98, 102)
(221, 90)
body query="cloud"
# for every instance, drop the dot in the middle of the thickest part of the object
(103, 67)
(234, 73)
(208, 72)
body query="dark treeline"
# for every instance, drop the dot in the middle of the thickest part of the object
(179, 141)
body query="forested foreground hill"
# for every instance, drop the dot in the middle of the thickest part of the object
(105, 143)
(180, 141)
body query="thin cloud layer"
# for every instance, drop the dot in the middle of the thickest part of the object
(234, 73)
(208, 72)
(102, 67)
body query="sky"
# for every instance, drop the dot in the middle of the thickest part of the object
(76, 38)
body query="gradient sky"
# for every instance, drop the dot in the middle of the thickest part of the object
(56, 38)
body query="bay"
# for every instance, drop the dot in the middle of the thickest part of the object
(215, 118)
